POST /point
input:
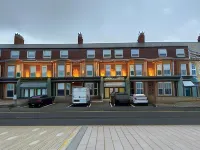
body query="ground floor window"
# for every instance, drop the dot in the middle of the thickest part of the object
(164, 88)
(139, 88)
(93, 88)
(63, 89)
(10, 90)
(33, 92)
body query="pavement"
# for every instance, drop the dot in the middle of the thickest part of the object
(13, 103)
(100, 137)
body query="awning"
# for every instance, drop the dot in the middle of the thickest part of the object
(188, 83)
(33, 85)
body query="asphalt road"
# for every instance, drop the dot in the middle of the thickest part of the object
(100, 118)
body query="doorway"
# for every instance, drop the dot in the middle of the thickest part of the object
(108, 91)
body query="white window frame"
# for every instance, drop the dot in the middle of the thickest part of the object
(157, 66)
(62, 67)
(183, 68)
(106, 52)
(12, 68)
(90, 53)
(11, 89)
(164, 87)
(118, 68)
(193, 69)
(44, 74)
(119, 53)
(162, 52)
(160, 86)
(106, 69)
(141, 87)
(28, 55)
(32, 70)
(13, 55)
(89, 68)
(61, 87)
(70, 70)
(45, 55)
(136, 69)
(131, 69)
(135, 53)
(167, 67)
(180, 52)
(64, 54)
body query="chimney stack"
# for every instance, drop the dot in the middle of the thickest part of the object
(18, 39)
(198, 38)
(141, 37)
(80, 38)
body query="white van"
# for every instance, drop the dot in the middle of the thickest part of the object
(80, 95)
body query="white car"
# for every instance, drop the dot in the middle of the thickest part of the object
(140, 99)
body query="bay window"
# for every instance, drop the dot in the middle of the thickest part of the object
(164, 88)
(118, 70)
(183, 70)
(32, 71)
(61, 71)
(138, 68)
(68, 70)
(108, 70)
(193, 69)
(11, 71)
(131, 70)
(166, 68)
(89, 70)
(44, 71)
(159, 69)
(139, 88)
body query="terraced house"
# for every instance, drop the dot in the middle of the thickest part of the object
(160, 70)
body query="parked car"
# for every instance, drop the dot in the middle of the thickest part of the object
(139, 99)
(40, 100)
(80, 95)
(121, 98)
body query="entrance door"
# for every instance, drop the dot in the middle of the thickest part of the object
(188, 91)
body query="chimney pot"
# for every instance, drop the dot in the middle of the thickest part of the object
(18, 39)
(80, 38)
(141, 37)
(198, 38)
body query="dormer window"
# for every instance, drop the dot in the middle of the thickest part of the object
(46, 53)
(180, 53)
(134, 52)
(119, 53)
(162, 52)
(30, 54)
(90, 53)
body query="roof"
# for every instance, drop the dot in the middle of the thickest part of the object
(96, 45)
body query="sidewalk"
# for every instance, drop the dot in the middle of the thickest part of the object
(12, 103)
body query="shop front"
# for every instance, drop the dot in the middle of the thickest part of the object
(113, 85)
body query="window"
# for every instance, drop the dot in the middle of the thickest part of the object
(32, 71)
(138, 70)
(166, 68)
(61, 88)
(135, 53)
(164, 88)
(68, 88)
(14, 54)
(11, 71)
(44, 91)
(106, 53)
(32, 92)
(132, 70)
(139, 88)
(46, 54)
(26, 93)
(93, 88)
(180, 53)
(61, 70)
(183, 70)
(89, 70)
(90, 53)
(30, 54)
(108, 69)
(68, 70)
(162, 52)
(0, 52)
(119, 53)
(118, 70)
(159, 69)
(193, 68)
(10, 90)
(64, 54)
(38, 91)
(44, 71)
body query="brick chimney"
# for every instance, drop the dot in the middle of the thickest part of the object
(198, 38)
(80, 38)
(18, 39)
(141, 37)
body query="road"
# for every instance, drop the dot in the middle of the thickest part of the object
(100, 118)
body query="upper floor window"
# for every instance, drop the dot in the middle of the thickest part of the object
(89, 70)
(61, 70)
(162, 52)
(193, 69)
(14, 54)
(132, 70)
(119, 53)
(90, 53)
(0, 52)
(166, 68)
(138, 69)
(118, 70)
(32, 71)
(44, 71)
(106, 53)
(30, 54)
(64, 54)
(108, 70)
(159, 69)
(180, 53)
(134, 52)
(46, 53)
(11, 71)
(183, 70)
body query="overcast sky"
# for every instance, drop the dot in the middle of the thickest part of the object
(59, 21)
